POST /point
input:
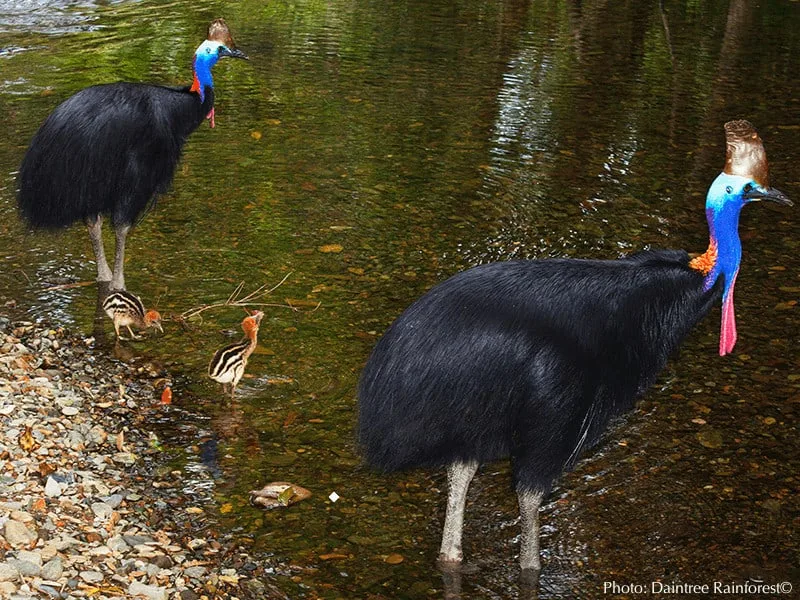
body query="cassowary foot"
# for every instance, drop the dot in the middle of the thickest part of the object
(529, 579)
(446, 565)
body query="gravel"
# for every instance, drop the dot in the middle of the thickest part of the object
(80, 515)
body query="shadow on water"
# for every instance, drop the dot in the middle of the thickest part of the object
(368, 150)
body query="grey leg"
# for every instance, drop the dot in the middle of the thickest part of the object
(459, 476)
(529, 503)
(118, 280)
(96, 235)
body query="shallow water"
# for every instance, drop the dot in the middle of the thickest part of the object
(367, 151)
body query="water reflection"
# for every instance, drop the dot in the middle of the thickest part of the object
(417, 139)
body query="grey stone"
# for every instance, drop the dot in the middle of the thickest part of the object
(52, 489)
(18, 534)
(33, 557)
(114, 500)
(195, 572)
(8, 572)
(153, 592)
(26, 568)
(117, 544)
(136, 540)
(91, 576)
(102, 510)
(53, 569)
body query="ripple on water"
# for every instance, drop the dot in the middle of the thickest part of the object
(50, 17)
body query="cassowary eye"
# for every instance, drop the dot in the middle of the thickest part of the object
(219, 50)
(728, 190)
(747, 188)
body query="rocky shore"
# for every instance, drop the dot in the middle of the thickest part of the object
(88, 508)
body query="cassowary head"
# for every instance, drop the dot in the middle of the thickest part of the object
(744, 179)
(218, 44)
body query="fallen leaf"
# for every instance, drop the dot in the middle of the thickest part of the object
(332, 556)
(226, 508)
(256, 135)
(331, 248)
(26, 440)
(291, 417)
(45, 469)
(273, 121)
(394, 559)
(278, 494)
(121, 441)
(166, 395)
(710, 438)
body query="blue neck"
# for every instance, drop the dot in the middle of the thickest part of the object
(202, 76)
(722, 213)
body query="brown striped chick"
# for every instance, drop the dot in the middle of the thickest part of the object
(124, 309)
(228, 364)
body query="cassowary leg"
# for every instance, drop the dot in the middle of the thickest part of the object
(96, 234)
(118, 279)
(529, 503)
(459, 476)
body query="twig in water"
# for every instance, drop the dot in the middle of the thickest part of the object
(236, 299)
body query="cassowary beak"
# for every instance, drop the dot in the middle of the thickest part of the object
(232, 53)
(769, 193)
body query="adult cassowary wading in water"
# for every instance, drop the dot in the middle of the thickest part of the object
(111, 150)
(531, 359)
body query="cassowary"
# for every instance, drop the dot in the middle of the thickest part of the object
(111, 150)
(531, 359)
(228, 364)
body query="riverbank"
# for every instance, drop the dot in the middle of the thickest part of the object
(89, 506)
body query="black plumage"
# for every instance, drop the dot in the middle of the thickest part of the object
(110, 151)
(528, 359)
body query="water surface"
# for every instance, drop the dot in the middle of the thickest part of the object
(367, 151)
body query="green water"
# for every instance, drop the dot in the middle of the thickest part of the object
(417, 139)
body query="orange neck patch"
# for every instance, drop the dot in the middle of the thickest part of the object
(706, 261)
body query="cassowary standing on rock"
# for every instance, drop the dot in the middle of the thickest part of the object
(111, 150)
(531, 359)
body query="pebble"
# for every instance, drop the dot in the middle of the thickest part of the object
(148, 591)
(26, 568)
(53, 569)
(18, 534)
(118, 544)
(31, 557)
(91, 576)
(8, 572)
(102, 510)
(52, 488)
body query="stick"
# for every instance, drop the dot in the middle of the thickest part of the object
(235, 299)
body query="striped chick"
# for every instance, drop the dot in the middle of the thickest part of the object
(124, 309)
(228, 364)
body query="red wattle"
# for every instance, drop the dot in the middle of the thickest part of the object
(727, 334)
